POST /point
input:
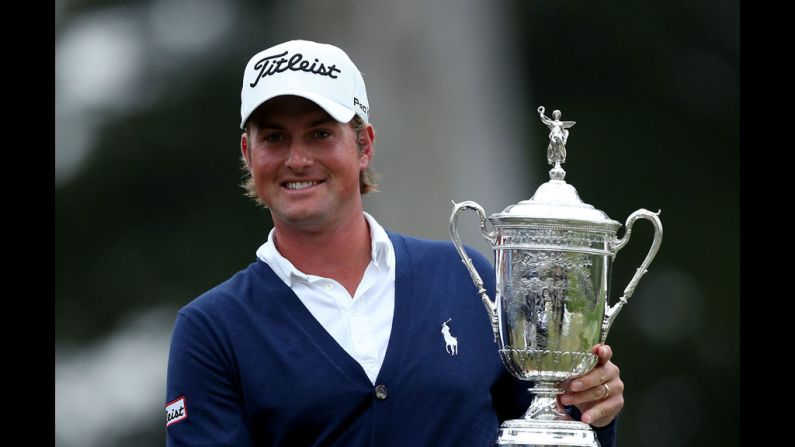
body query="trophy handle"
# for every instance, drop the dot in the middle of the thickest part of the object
(618, 244)
(491, 307)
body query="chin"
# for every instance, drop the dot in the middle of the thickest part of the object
(302, 218)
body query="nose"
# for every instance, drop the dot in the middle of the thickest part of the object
(298, 157)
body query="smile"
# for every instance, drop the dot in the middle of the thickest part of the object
(301, 185)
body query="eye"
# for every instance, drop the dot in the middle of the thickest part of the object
(273, 137)
(320, 133)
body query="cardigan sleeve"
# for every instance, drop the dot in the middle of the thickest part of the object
(201, 384)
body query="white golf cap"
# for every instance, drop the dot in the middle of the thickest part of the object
(319, 72)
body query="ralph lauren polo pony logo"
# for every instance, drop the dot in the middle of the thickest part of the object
(451, 343)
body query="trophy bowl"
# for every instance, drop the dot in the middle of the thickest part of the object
(552, 259)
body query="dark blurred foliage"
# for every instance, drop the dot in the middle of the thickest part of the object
(156, 216)
(654, 88)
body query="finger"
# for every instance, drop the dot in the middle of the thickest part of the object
(604, 352)
(599, 375)
(593, 394)
(604, 412)
(590, 395)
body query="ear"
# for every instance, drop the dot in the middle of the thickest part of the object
(244, 149)
(366, 139)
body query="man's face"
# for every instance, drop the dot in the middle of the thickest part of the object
(305, 164)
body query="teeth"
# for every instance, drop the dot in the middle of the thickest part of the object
(301, 185)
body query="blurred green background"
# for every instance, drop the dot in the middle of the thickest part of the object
(149, 214)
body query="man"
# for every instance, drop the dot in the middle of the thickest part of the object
(332, 336)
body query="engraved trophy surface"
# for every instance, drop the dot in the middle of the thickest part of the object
(552, 258)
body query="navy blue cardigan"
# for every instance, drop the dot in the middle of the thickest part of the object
(253, 366)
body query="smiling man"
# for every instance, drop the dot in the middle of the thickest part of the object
(340, 332)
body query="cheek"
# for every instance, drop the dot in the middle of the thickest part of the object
(263, 174)
(262, 164)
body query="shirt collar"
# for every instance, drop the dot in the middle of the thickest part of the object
(382, 255)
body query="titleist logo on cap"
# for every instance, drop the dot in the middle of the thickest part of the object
(269, 65)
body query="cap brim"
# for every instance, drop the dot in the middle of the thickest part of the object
(337, 111)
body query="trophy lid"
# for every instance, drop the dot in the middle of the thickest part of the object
(556, 200)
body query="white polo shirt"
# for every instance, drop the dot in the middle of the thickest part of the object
(360, 324)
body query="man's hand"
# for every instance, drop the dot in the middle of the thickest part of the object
(599, 394)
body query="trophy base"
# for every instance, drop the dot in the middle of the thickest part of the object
(551, 433)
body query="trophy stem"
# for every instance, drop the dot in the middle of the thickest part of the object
(546, 423)
(545, 406)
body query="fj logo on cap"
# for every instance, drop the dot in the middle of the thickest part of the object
(176, 411)
(270, 65)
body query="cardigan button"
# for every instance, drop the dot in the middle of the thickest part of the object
(381, 392)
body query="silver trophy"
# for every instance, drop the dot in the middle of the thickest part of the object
(552, 256)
